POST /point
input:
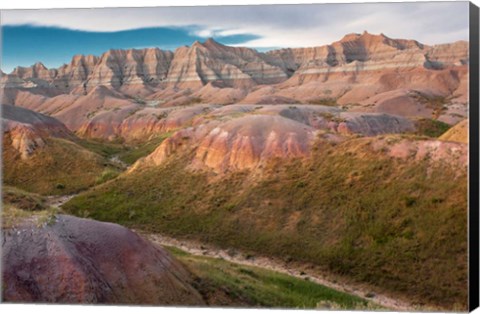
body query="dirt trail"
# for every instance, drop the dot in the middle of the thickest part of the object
(56, 201)
(238, 257)
(235, 256)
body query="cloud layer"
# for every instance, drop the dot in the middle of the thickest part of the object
(276, 26)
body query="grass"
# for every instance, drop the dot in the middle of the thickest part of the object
(103, 148)
(66, 167)
(22, 199)
(225, 283)
(60, 167)
(107, 175)
(11, 215)
(135, 152)
(126, 152)
(18, 205)
(331, 102)
(430, 127)
(220, 282)
(399, 225)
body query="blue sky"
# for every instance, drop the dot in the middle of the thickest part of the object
(54, 36)
(27, 44)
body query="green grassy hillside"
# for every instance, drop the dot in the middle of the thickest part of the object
(60, 167)
(397, 224)
(221, 283)
(229, 284)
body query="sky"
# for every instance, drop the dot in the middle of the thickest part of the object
(54, 36)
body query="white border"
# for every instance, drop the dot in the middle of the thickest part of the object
(46, 4)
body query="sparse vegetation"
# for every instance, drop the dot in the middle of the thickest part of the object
(331, 102)
(430, 127)
(135, 152)
(435, 102)
(127, 153)
(222, 282)
(193, 101)
(331, 117)
(61, 167)
(106, 175)
(139, 100)
(18, 205)
(22, 199)
(162, 115)
(102, 147)
(370, 226)
(11, 215)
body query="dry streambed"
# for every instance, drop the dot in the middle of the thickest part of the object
(196, 248)
(235, 256)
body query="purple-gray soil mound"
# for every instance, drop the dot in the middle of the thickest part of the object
(74, 260)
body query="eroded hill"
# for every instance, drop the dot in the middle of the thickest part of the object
(121, 91)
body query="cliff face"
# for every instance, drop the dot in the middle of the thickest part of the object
(95, 96)
(201, 63)
(352, 47)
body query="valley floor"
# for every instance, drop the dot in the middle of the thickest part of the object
(297, 270)
(207, 261)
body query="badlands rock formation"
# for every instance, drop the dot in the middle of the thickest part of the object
(27, 130)
(94, 96)
(74, 260)
(432, 151)
(238, 137)
(39, 154)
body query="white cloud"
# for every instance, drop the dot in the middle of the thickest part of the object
(278, 26)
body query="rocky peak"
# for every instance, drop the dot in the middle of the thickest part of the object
(142, 71)
(211, 61)
(38, 66)
(85, 60)
(197, 43)
(350, 37)
(210, 42)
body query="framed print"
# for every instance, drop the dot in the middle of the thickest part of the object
(300, 156)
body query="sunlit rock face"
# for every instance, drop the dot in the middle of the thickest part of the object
(125, 93)
(238, 137)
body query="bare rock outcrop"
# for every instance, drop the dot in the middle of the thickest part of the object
(200, 64)
(238, 144)
(431, 151)
(238, 137)
(131, 70)
(100, 96)
(73, 260)
(27, 130)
